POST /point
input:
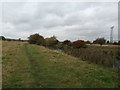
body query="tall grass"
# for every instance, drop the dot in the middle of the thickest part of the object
(103, 55)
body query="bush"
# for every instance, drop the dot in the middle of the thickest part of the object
(59, 45)
(41, 41)
(88, 42)
(78, 44)
(36, 39)
(100, 41)
(67, 42)
(51, 42)
(118, 42)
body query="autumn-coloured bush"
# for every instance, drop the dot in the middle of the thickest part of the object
(36, 39)
(79, 44)
(51, 42)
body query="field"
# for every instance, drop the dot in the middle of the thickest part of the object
(31, 66)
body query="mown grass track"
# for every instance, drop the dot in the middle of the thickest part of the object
(32, 66)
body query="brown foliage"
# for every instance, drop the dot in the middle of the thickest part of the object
(51, 41)
(78, 44)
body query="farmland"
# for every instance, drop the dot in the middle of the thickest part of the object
(32, 66)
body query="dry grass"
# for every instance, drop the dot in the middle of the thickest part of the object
(103, 55)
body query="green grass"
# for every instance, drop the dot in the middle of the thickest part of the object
(32, 66)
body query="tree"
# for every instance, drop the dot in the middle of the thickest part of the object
(79, 44)
(118, 42)
(36, 39)
(100, 41)
(108, 42)
(2, 38)
(19, 39)
(51, 41)
(88, 42)
(115, 43)
(41, 41)
(67, 42)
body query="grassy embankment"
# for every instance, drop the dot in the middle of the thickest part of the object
(32, 66)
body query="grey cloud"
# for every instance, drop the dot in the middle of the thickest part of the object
(65, 20)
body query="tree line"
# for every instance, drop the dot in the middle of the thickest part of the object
(52, 41)
(9, 39)
(55, 43)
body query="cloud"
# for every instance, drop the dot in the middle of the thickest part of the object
(71, 21)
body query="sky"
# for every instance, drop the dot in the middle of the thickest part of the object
(65, 20)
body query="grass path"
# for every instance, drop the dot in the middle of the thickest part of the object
(35, 66)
